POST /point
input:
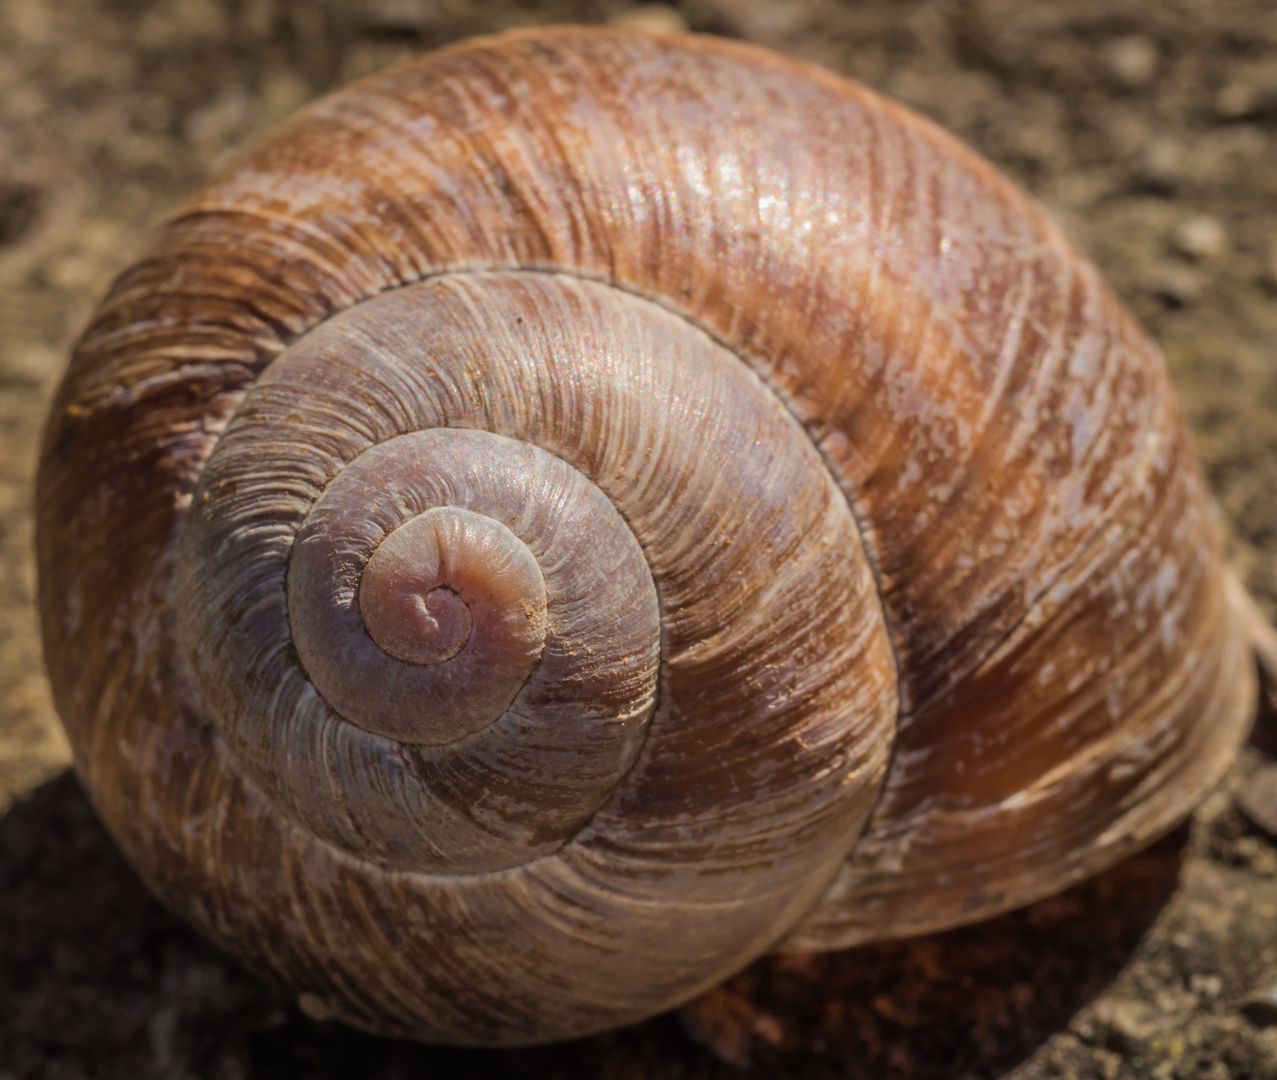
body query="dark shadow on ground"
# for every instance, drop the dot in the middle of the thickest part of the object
(1263, 734)
(97, 979)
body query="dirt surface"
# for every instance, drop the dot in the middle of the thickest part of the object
(1148, 131)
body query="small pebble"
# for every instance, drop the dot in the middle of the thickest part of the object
(1201, 237)
(1206, 987)
(1258, 799)
(1131, 60)
(1179, 286)
(1163, 164)
(398, 16)
(73, 272)
(35, 363)
(761, 20)
(650, 19)
(1236, 100)
(1130, 1021)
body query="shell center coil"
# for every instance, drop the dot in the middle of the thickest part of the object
(419, 589)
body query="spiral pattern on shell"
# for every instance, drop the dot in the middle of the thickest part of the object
(566, 516)
(528, 437)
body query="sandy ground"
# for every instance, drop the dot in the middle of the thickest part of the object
(1147, 128)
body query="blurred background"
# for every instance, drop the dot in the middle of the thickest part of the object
(1146, 127)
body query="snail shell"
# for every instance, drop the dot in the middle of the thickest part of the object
(566, 516)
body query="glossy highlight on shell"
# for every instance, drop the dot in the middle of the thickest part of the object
(566, 516)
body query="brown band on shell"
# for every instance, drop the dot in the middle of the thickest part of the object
(1110, 712)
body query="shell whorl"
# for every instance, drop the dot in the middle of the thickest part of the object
(532, 495)
(555, 443)
(545, 434)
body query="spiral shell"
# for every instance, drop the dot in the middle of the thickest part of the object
(568, 515)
